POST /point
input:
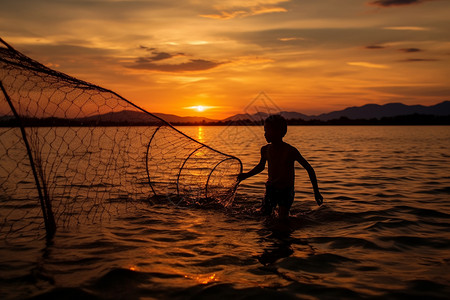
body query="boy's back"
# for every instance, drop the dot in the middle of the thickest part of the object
(280, 158)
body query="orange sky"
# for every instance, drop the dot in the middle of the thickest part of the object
(308, 56)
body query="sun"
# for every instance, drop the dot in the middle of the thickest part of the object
(200, 108)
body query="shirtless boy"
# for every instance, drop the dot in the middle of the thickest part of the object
(281, 158)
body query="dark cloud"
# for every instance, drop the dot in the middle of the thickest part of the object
(375, 47)
(419, 59)
(147, 48)
(409, 50)
(153, 62)
(156, 55)
(387, 3)
(413, 91)
(330, 38)
(192, 65)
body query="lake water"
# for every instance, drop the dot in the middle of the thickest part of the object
(382, 232)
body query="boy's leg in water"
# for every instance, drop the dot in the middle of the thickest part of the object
(283, 213)
(284, 205)
(270, 200)
(266, 208)
(282, 223)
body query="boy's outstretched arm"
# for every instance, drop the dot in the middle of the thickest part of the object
(257, 169)
(312, 176)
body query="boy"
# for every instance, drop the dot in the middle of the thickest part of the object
(281, 158)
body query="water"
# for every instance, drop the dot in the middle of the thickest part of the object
(383, 231)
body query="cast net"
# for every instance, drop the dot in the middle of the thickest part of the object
(73, 152)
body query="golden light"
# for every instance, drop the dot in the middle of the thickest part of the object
(200, 134)
(133, 268)
(203, 279)
(203, 110)
(199, 108)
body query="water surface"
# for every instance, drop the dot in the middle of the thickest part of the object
(383, 231)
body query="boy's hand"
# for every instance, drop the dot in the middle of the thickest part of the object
(319, 198)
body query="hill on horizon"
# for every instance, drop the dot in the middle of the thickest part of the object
(368, 111)
(142, 117)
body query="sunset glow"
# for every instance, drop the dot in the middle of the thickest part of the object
(200, 108)
(308, 56)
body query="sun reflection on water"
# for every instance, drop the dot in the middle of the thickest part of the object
(200, 133)
(203, 279)
(133, 268)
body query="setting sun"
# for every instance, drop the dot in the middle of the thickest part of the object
(200, 108)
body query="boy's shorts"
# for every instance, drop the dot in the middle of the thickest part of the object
(276, 196)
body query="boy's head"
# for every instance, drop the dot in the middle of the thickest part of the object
(275, 127)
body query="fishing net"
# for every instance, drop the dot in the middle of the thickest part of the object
(72, 152)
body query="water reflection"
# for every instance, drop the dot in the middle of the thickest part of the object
(200, 134)
(203, 279)
(279, 246)
(387, 211)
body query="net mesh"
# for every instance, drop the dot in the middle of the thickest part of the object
(72, 152)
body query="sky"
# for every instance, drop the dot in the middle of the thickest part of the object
(307, 56)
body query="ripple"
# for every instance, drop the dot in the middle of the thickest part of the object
(67, 293)
(422, 212)
(392, 223)
(320, 263)
(347, 242)
(228, 291)
(444, 190)
(415, 241)
(224, 260)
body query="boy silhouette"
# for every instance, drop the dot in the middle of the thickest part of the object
(281, 158)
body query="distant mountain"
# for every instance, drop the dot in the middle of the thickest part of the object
(141, 117)
(294, 115)
(368, 111)
(177, 119)
(121, 116)
(262, 116)
(255, 117)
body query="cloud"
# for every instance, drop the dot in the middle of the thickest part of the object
(367, 65)
(412, 28)
(418, 59)
(153, 62)
(327, 38)
(251, 60)
(191, 65)
(375, 47)
(414, 90)
(225, 15)
(156, 55)
(240, 9)
(288, 39)
(387, 3)
(410, 50)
